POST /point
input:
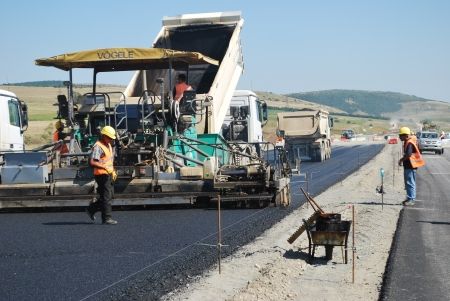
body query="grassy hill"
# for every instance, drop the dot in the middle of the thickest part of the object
(401, 109)
(342, 120)
(375, 103)
(42, 83)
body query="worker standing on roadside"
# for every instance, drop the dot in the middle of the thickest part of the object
(102, 160)
(60, 135)
(411, 160)
(180, 87)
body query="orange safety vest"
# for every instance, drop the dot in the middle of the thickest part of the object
(107, 159)
(63, 148)
(416, 158)
(179, 90)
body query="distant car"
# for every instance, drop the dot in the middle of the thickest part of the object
(347, 134)
(393, 140)
(430, 142)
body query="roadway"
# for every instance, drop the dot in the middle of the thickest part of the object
(63, 256)
(418, 267)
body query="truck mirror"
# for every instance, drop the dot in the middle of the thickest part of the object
(265, 116)
(331, 122)
(23, 116)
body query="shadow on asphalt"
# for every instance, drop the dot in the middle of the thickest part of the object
(379, 203)
(300, 255)
(434, 222)
(67, 223)
(291, 254)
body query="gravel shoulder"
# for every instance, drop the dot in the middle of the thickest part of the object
(272, 269)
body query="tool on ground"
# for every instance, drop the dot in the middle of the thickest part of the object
(311, 201)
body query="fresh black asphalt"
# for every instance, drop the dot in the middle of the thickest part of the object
(419, 265)
(63, 256)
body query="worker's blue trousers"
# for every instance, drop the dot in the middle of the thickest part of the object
(410, 183)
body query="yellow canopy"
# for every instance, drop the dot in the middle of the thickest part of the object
(111, 59)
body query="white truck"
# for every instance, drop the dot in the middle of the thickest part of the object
(306, 135)
(13, 122)
(245, 118)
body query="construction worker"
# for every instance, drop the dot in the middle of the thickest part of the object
(102, 160)
(411, 160)
(180, 87)
(60, 135)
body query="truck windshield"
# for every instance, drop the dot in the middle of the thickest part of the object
(429, 135)
(14, 113)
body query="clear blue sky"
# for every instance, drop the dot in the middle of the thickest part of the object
(289, 46)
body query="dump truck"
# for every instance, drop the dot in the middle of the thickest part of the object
(305, 135)
(166, 151)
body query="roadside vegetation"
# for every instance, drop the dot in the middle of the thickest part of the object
(362, 118)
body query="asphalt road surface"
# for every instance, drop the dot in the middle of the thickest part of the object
(419, 265)
(63, 256)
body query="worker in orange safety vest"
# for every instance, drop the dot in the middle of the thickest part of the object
(180, 87)
(102, 160)
(60, 135)
(411, 160)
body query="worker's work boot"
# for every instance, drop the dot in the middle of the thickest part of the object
(110, 221)
(91, 214)
(409, 203)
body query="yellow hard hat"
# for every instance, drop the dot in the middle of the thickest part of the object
(109, 131)
(59, 125)
(405, 131)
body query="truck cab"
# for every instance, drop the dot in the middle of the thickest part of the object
(13, 122)
(245, 118)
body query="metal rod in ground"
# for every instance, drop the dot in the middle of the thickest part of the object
(219, 235)
(382, 193)
(353, 244)
(393, 172)
(307, 181)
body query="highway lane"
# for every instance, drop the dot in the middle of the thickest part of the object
(419, 265)
(62, 256)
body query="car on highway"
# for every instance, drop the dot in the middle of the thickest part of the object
(430, 142)
(393, 140)
(348, 134)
